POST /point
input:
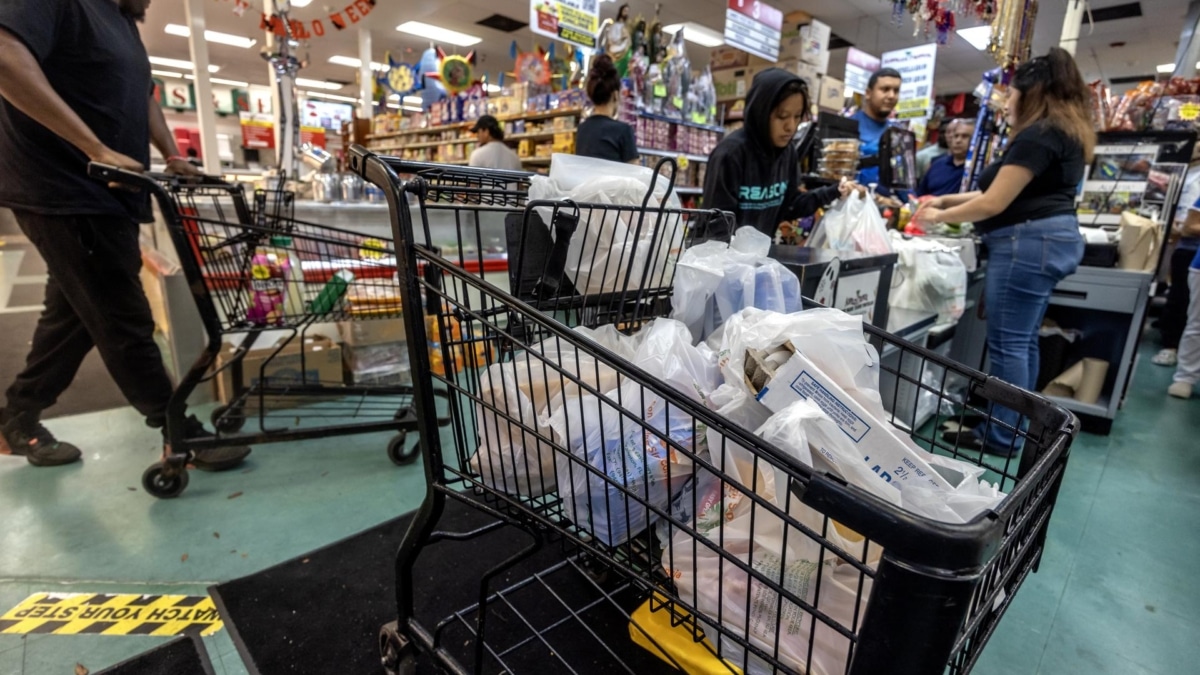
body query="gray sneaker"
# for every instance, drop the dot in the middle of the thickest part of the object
(25, 436)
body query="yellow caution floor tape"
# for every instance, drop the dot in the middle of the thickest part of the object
(111, 614)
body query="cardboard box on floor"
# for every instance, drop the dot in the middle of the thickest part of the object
(372, 332)
(321, 363)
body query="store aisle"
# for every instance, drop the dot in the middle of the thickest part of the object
(1114, 594)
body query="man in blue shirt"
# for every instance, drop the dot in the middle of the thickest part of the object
(945, 173)
(883, 92)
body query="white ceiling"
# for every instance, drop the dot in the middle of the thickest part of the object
(868, 24)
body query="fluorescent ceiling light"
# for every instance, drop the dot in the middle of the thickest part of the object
(438, 34)
(167, 73)
(1166, 68)
(176, 63)
(978, 37)
(413, 100)
(212, 36)
(317, 84)
(301, 3)
(331, 97)
(694, 32)
(357, 63)
(217, 80)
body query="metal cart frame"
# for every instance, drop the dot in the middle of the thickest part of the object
(938, 590)
(205, 218)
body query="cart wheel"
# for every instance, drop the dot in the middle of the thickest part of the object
(395, 651)
(399, 454)
(158, 482)
(228, 420)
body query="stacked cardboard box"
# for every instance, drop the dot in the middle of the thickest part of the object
(313, 361)
(375, 352)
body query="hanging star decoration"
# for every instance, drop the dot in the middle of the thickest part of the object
(532, 67)
(400, 78)
(456, 73)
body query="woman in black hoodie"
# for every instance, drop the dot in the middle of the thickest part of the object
(754, 171)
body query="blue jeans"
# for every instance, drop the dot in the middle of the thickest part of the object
(1025, 263)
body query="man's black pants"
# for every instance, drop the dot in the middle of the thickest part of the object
(94, 298)
(1174, 314)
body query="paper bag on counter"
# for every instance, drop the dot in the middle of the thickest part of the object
(1139, 243)
(1082, 381)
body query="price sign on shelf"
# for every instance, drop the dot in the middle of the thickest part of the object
(754, 27)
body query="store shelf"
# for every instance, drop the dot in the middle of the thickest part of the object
(660, 118)
(532, 117)
(673, 154)
(537, 135)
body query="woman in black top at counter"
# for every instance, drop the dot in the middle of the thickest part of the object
(600, 135)
(1026, 216)
(754, 171)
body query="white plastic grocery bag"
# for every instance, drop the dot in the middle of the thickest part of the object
(853, 224)
(619, 465)
(714, 281)
(930, 277)
(734, 527)
(612, 250)
(513, 397)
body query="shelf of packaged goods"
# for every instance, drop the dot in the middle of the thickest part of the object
(537, 135)
(660, 118)
(532, 117)
(673, 154)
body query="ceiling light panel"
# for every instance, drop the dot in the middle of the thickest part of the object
(438, 34)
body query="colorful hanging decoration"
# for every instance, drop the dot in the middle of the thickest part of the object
(531, 67)
(432, 90)
(456, 73)
(400, 78)
(566, 66)
(340, 18)
(940, 17)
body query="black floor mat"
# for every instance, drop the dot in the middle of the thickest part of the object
(93, 388)
(182, 656)
(321, 612)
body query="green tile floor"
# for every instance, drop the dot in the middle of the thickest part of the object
(1115, 593)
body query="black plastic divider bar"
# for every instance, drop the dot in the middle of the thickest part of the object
(936, 589)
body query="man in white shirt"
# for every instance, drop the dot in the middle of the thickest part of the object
(492, 153)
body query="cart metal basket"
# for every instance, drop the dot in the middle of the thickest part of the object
(877, 589)
(262, 279)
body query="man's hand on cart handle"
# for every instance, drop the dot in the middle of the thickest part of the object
(178, 166)
(110, 157)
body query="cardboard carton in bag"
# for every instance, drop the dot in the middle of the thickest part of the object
(1139, 244)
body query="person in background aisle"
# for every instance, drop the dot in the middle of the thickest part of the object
(754, 171)
(601, 135)
(932, 151)
(1187, 235)
(492, 153)
(75, 86)
(945, 175)
(1187, 373)
(1026, 216)
(883, 92)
